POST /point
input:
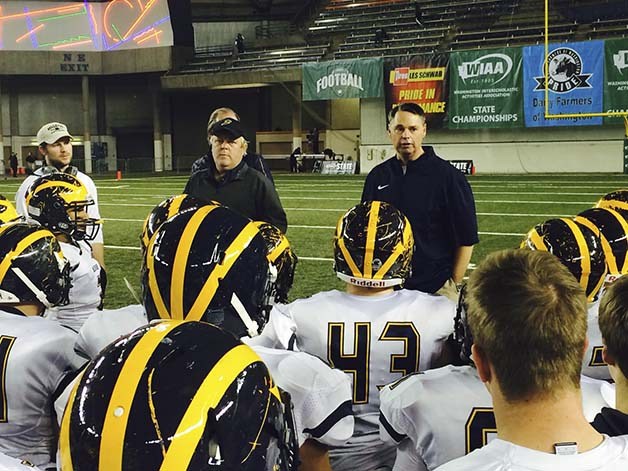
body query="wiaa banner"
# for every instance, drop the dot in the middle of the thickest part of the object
(575, 81)
(616, 77)
(359, 78)
(421, 80)
(485, 89)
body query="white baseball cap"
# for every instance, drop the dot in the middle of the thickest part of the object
(52, 132)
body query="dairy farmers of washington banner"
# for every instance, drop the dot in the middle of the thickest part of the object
(485, 89)
(360, 78)
(575, 83)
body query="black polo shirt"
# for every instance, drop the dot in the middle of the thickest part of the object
(438, 201)
(243, 189)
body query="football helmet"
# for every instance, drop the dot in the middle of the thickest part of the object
(163, 211)
(281, 257)
(462, 333)
(578, 248)
(613, 231)
(617, 200)
(209, 264)
(177, 395)
(55, 201)
(32, 267)
(373, 246)
(7, 211)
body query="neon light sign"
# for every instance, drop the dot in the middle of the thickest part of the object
(83, 26)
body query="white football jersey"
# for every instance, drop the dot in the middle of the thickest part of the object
(85, 293)
(447, 413)
(374, 339)
(12, 464)
(92, 210)
(593, 365)
(321, 395)
(610, 455)
(35, 355)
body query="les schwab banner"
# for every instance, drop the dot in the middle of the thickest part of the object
(420, 80)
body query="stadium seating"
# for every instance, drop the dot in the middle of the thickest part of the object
(346, 29)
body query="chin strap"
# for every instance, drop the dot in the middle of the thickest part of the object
(252, 327)
(36, 291)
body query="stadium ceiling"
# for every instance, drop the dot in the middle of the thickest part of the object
(248, 10)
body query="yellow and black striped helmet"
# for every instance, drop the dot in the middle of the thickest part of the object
(177, 395)
(617, 200)
(280, 256)
(7, 211)
(163, 211)
(209, 264)
(578, 247)
(373, 246)
(52, 197)
(613, 231)
(32, 266)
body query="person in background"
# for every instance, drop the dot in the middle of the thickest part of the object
(528, 317)
(434, 196)
(255, 161)
(613, 319)
(230, 181)
(294, 163)
(13, 163)
(55, 145)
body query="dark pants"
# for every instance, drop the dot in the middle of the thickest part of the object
(14, 170)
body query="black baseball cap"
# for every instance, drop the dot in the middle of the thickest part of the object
(227, 127)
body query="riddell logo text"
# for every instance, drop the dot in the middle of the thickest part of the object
(367, 283)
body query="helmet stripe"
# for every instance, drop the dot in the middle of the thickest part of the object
(606, 246)
(64, 434)
(536, 239)
(371, 235)
(397, 252)
(152, 281)
(585, 256)
(179, 265)
(343, 248)
(612, 204)
(220, 271)
(115, 424)
(175, 205)
(277, 251)
(624, 226)
(207, 397)
(73, 189)
(20, 247)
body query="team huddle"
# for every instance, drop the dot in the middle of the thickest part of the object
(213, 369)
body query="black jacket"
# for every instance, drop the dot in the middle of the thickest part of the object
(438, 201)
(243, 189)
(611, 422)
(255, 161)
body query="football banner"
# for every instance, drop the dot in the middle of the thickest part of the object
(616, 77)
(420, 80)
(359, 78)
(575, 82)
(485, 89)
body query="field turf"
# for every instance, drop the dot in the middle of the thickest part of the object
(507, 206)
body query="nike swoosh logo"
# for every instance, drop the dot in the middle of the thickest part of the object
(381, 187)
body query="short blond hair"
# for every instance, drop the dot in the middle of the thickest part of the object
(613, 321)
(528, 314)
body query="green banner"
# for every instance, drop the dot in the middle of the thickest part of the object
(615, 77)
(485, 89)
(360, 78)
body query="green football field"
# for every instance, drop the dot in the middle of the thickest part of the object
(507, 206)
